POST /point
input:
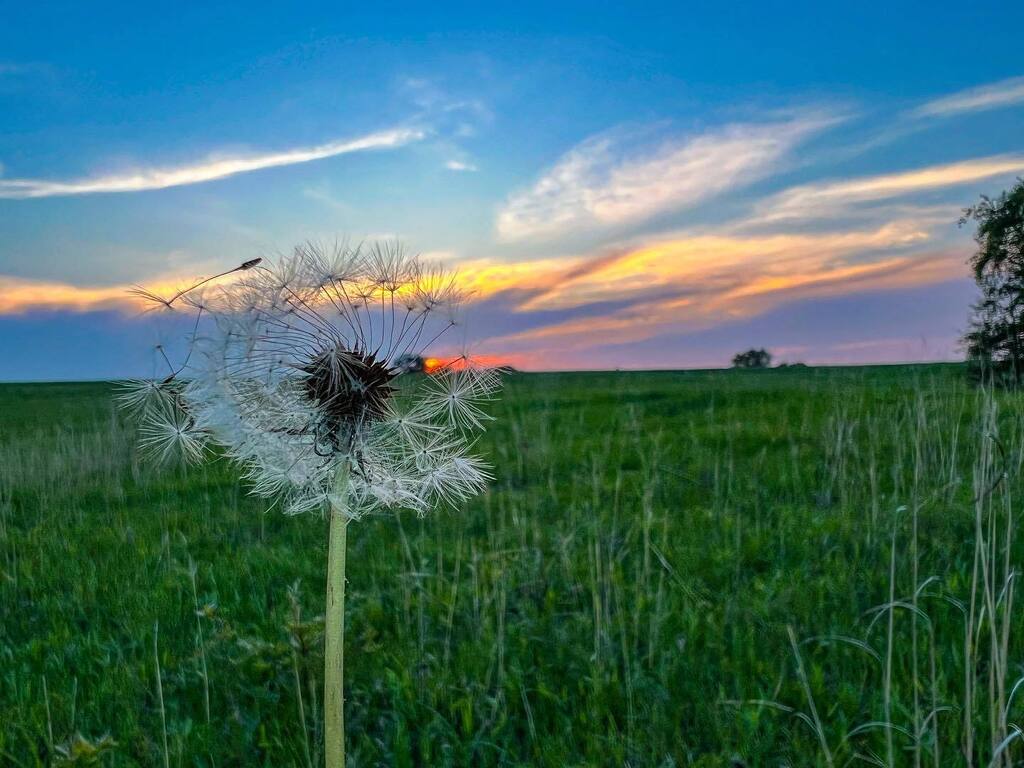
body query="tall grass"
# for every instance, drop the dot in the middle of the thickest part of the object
(938, 653)
(796, 567)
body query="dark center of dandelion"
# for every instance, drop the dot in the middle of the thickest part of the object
(350, 388)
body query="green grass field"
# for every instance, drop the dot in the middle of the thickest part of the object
(793, 567)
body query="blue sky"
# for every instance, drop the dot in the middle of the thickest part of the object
(658, 186)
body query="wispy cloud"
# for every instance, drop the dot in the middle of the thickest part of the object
(834, 198)
(716, 264)
(208, 170)
(722, 298)
(603, 182)
(550, 312)
(992, 96)
(20, 295)
(554, 309)
(458, 165)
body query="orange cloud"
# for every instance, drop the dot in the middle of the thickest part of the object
(17, 295)
(21, 295)
(686, 281)
(485, 277)
(701, 263)
(720, 278)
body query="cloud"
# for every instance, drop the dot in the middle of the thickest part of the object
(692, 263)
(602, 182)
(834, 198)
(20, 295)
(715, 264)
(458, 165)
(208, 170)
(550, 312)
(992, 96)
(322, 194)
(556, 308)
(725, 299)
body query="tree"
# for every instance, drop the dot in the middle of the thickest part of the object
(752, 358)
(995, 340)
(410, 363)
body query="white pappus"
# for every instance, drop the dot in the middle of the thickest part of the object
(298, 370)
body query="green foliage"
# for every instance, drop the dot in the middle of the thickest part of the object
(995, 341)
(622, 595)
(752, 358)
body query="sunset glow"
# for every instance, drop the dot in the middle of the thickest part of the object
(639, 202)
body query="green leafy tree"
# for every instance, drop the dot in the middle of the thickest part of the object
(752, 358)
(995, 340)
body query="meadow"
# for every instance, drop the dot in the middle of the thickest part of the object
(791, 567)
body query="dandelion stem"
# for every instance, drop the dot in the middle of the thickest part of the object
(334, 628)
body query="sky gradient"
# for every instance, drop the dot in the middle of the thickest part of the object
(620, 189)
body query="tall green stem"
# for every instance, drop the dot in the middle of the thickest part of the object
(334, 630)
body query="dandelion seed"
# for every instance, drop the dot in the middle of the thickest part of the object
(138, 395)
(167, 433)
(457, 394)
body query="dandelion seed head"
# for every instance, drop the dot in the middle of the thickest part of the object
(295, 371)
